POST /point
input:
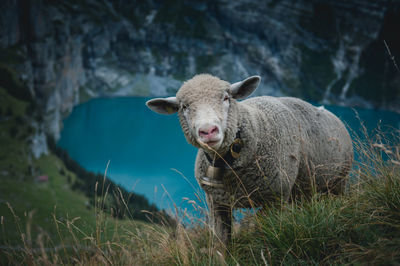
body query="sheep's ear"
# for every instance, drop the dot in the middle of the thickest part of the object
(165, 106)
(243, 89)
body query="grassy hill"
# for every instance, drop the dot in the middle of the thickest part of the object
(50, 223)
(49, 213)
(23, 199)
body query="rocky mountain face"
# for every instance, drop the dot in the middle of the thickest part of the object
(66, 52)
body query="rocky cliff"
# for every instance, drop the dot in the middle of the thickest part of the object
(65, 52)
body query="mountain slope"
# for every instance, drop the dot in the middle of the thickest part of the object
(324, 51)
(37, 192)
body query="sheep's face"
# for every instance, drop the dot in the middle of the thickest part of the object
(203, 112)
(206, 109)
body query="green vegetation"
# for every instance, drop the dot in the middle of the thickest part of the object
(31, 198)
(12, 55)
(14, 161)
(83, 95)
(19, 188)
(13, 131)
(36, 212)
(10, 81)
(359, 227)
(77, 217)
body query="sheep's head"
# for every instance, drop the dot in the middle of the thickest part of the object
(207, 109)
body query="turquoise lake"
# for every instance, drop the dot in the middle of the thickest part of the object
(148, 152)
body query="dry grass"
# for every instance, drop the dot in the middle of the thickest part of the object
(360, 227)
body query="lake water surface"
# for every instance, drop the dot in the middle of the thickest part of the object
(144, 148)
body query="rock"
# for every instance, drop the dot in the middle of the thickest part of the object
(39, 145)
(326, 51)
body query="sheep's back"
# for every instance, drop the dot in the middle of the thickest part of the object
(326, 150)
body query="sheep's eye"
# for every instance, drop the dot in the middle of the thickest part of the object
(184, 107)
(226, 98)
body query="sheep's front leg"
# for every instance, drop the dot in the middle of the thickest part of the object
(221, 221)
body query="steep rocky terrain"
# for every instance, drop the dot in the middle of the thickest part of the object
(66, 52)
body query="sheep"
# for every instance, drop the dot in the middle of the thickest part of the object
(257, 151)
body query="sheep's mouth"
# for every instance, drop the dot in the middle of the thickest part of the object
(210, 143)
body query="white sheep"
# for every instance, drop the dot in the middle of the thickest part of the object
(257, 151)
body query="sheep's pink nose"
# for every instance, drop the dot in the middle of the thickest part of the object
(208, 131)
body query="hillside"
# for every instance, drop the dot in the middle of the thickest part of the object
(41, 199)
(358, 228)
(29, 198)
(47, 222)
